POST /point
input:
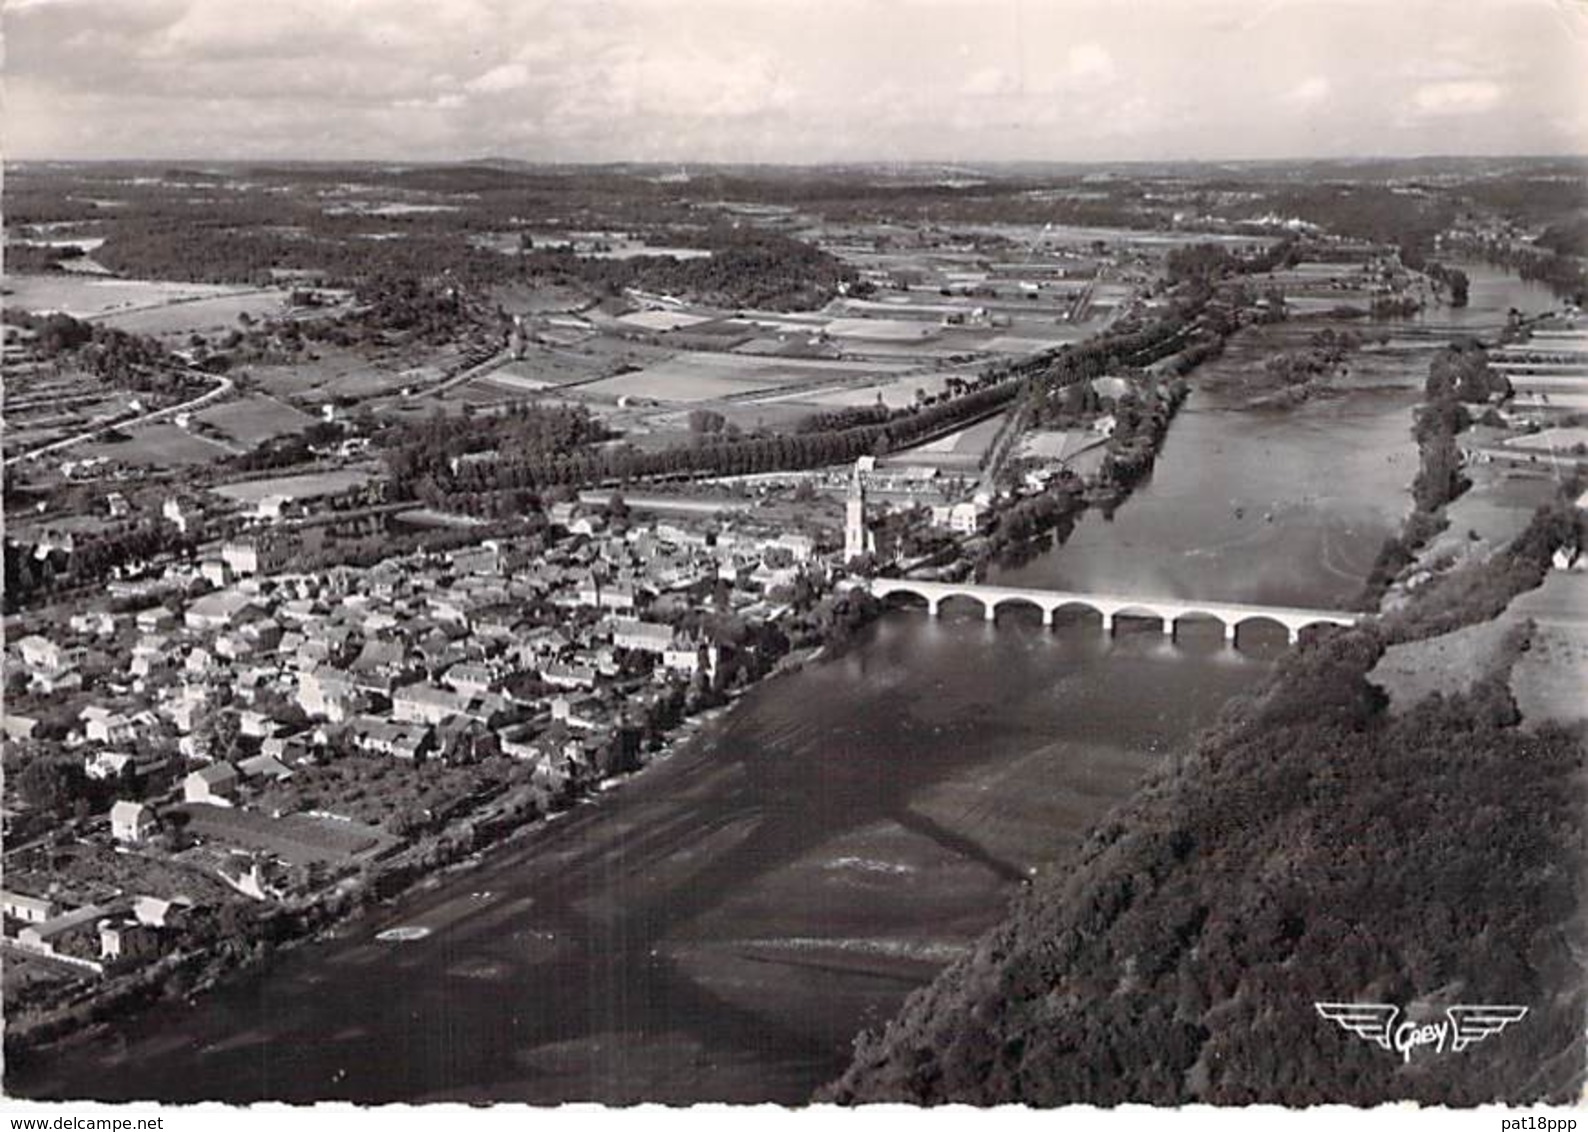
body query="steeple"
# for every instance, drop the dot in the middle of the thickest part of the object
(857, 539)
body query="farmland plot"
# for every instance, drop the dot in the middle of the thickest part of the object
(255, 418)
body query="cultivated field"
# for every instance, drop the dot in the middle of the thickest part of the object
(1549, 678)
(1056, 444)
(254, 419)
(307, 486)
(334, 372)
(1552, 439)
(884, 329)
(160, 445)
(1499, 508)
(88, 296)
(1448, 664)
(541, 369)
(1023, 343)
(956, 450)
(661, 320)
(213, 315)
(895, 393)
(710, 377)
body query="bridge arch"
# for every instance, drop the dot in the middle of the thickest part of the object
(1136, 611)
(1194, 616)
(1299, 625)
(988, 606)
(1088, 610)
(906, 597)
(1233, 626)
(1018, 601)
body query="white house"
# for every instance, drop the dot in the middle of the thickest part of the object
(425, 703)
(132, 821)
(105, 765)
(961, 518)
(95, 622)
(615, 596)
(42, 654)
(641, 636)
(801, 547)
(214, 785)
(568, 675)
(102, 725)
(171, 510)
(28, 909)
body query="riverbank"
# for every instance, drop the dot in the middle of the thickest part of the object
(281, 930)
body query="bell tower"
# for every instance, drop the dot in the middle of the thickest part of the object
(857, 539)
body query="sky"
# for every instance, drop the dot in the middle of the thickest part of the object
(793, 81)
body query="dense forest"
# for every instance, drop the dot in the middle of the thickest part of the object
(1313, 847)
(421, 224)
(747, 268)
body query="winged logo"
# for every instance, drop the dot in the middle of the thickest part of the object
(1376, 1022)
(1474, 1023)
(1373, 1021)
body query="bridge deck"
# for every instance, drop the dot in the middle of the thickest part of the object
(1156, 605)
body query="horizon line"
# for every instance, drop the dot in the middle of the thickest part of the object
(911, 162)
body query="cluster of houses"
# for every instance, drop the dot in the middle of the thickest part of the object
(95, 935)
(541, 654)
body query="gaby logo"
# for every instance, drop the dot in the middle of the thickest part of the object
(1463, 1025)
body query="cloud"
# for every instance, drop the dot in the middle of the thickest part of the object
(452, 101)
(508, 76)
(987, 82)
(1461, 97)
(1309, 92)
(1090, 62)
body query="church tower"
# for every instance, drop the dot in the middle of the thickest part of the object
(857, 539)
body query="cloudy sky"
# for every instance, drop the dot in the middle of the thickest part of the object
(793, 80)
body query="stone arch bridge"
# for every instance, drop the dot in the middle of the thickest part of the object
(1167, 611)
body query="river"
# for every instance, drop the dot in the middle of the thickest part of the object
(720, 926)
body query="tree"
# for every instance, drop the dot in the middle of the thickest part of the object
(129, 784)
(406, 823)
(217, 732)
(706, 420)
(53, 785)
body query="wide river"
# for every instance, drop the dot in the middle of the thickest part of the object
(720, 926)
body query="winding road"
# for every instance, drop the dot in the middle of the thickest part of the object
(223, 388)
